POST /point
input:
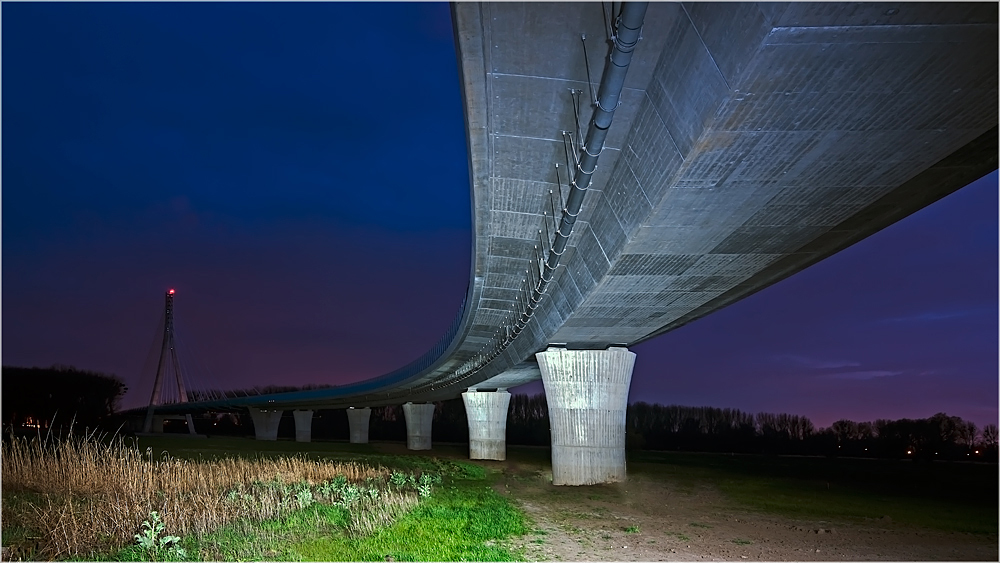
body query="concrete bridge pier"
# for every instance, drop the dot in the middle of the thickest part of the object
(190, 424)
(303, 425)
(587, 392)
(265, 423)
(358, 420)
(487, 415)
(154, 423)
(419, 418)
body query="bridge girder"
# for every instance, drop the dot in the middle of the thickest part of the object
(752, 141)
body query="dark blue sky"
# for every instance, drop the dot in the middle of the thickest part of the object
(298, 172)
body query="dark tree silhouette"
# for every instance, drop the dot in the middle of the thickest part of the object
(988, 441)
(450, 423)
(528, 420)
(32, 397)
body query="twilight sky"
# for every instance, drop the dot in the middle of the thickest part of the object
(298, 172)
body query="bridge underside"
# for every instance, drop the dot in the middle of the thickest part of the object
(756, 140)
(752, 141)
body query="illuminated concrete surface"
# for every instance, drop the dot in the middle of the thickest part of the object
(265, 423)
(419, 419)
(487, 415)
(587, 393)
(358, 420)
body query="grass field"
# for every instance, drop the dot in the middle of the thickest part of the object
(461, 519)
(256, 500)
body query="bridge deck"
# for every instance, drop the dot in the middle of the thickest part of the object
(752, 141)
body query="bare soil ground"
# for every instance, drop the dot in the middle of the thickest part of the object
(651, 519)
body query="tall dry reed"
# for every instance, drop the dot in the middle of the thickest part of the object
(87, 495)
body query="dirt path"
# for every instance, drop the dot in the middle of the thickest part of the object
(646, 519)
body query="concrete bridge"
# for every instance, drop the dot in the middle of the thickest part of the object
(751, 141)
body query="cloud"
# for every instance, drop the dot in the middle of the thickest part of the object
(867, 374)
(932, 316)
(836, 369)
(816, 363)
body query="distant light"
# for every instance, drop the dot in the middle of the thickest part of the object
(171, 292)
(909, 452)
(977, 451)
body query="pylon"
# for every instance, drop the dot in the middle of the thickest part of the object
(168, 352)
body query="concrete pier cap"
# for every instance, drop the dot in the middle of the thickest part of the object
(419, 418)
(265, 423)
(587, 394)
(358, 420)
(487, 416)
(303, 425)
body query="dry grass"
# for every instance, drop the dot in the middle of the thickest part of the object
(78, 496)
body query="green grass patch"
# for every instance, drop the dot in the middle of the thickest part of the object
(461, 521)
(465, 521)
(632, 530)
(698, 525)
(739, 541)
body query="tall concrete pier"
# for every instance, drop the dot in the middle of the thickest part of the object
(358, 420)
(587, 393)
(265, 423)
(303, 425)
(419, 418)
(487, 415)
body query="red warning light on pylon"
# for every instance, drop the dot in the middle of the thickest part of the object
(171, 292)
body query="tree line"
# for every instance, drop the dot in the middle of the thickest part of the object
(681, 428)
(43, 399)
(674, 427)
